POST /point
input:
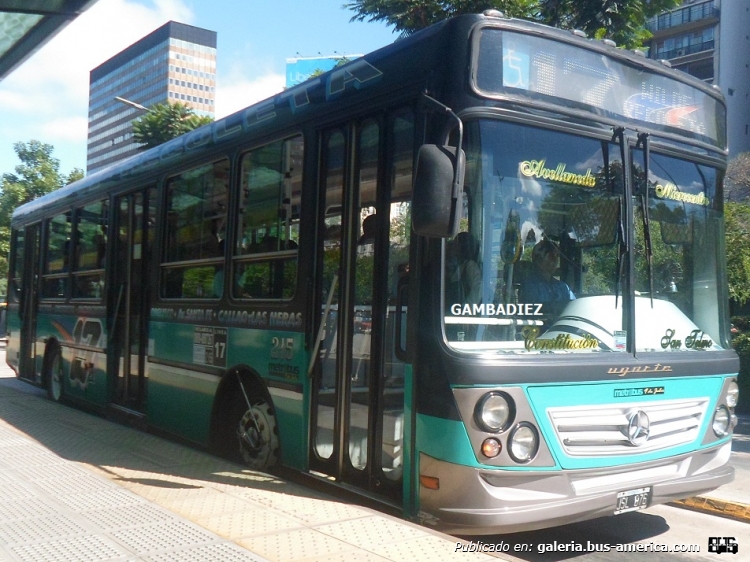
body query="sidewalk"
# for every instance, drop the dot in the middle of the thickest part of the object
(74, 486)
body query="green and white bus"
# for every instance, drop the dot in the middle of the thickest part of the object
(477, 275)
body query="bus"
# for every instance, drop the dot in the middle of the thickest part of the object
(477, 276)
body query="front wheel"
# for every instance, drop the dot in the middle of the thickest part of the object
(258, 435)
(54, 376)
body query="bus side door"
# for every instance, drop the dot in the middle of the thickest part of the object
(26, 292)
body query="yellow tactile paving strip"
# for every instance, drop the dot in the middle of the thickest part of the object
(732, 510)
(277, 520)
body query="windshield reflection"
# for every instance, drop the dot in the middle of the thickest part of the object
(539, 265)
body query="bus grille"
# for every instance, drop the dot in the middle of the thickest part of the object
(619, 429)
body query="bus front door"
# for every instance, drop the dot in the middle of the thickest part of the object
(358, 401)
(128, 300)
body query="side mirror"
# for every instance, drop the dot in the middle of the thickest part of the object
(438, 182)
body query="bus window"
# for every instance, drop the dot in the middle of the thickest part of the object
(57, 252)
(90, 251)
(195, 232)
(681, 278)
(265, 257)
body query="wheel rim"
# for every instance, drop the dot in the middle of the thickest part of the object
(255, 436)
(56, 378)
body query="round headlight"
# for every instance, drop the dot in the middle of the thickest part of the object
(722, 419)
(733, 394)
(523, 443)
(494, 412)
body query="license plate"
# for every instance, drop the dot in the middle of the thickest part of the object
(633, 500)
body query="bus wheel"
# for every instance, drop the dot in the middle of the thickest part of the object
(54, 376)
(258, 436)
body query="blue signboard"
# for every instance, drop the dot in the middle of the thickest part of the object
(300, 69)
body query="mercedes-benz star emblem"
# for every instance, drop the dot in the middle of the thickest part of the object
(639, 427)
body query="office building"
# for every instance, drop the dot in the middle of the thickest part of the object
(710, 39)
(175, 63)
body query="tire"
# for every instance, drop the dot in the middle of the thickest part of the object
(258, 448)
(54, 376)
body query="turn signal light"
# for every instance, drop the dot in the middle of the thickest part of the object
(491, 448)
(429, 482)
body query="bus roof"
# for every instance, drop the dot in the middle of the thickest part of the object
(406, 63)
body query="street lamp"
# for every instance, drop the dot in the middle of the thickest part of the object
(131, 103)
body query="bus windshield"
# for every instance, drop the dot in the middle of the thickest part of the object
(541, 262)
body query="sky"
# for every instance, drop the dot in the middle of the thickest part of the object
(46, 98)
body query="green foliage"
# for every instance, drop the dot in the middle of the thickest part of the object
(737, 225)
(408, 16)
(741, 345)
(37, 175)
(621, 20)
(165, 121)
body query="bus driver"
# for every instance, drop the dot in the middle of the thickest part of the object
(540, 286)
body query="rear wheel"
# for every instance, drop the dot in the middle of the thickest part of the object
(257, 434)
(54, 375)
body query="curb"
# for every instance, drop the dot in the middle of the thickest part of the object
(711, 506)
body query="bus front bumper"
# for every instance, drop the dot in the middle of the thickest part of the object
(475, 501)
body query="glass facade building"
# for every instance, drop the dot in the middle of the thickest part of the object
(709, 40)
(174, 63)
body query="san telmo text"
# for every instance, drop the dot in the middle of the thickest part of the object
(561, 341)
(694, 341)
(491, 309)
(536, 169)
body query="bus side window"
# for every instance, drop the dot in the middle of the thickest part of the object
(197, 202)
(90, 251)
(57, 257)
(265, 253)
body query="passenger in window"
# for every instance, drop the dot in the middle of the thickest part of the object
(540, 286)
(369, 230)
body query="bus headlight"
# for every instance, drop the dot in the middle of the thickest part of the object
(722, 419)
(494, 412)
(733, 394)
(523, 442)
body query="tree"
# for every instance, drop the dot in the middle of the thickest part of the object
(737, 226)
(165, 121)
(737, 179)
(37, 175)
(737, 217)
(621, 20)
(408, 16)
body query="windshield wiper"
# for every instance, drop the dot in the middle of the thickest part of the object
(622, 250)
(643, 141)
